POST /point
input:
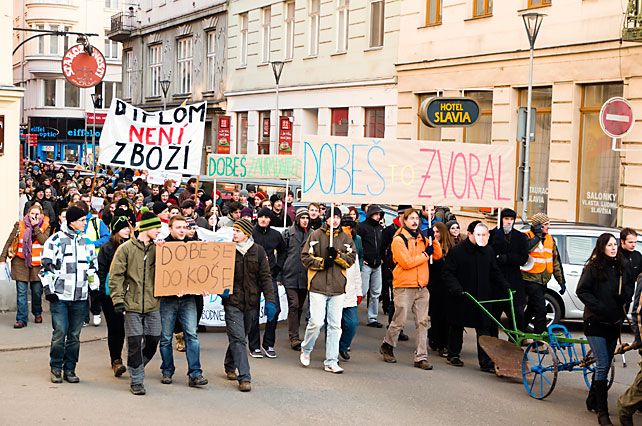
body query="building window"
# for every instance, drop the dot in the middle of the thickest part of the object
(53, 41)
(211, 60)
(313, 23)
(264, 133)
(375, 122)
(266, 26)
(343, 18)
(111, 49)
(433, 12)
(65, 41)
(289, 30)
(339, 122)
(111, 4)
(49, 92)
(480, 132)
(72, 95)
(111, 90)
(184, 57)
(41, 40)
(377, 18)
(241, 133)
(538, 3)
(155, 63)
(243, 46)
(482, 8)
(129, 72)
(599, 171)
(427, 133)
(539, 148)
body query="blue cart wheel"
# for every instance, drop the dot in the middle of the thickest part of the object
(539, 369)
(589, 370)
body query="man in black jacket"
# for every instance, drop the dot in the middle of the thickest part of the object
(251, 277)
(632, 258)
(272, 242)
(370, 232)
(511, 252)
(471, 267)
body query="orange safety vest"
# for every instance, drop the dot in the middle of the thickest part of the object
(541, 257)
(36, 247)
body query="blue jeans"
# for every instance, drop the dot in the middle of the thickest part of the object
(66, 318)
(183, 309)
(349, 324)
(603, 350)
(371, 280)
(324, 309)
(237, 326)
(22, 287)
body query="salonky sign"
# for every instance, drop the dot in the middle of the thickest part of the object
(169, 140)
(365, 170)
(254, 166)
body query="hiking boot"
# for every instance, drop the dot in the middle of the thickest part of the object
(137, 389)
(56, 376)
(256, 353)
(96, 320)
(118, 367)
(375, 324)
(305, 359)
(231, 375)
(197, 381)
(269, 352)
(166, 380)
(403, 337)
(388, 352)
(334, 368)
(344, 355)
(295, 344)
(455, 361)
(19, 324)
(245, 386)
(70, 377)
(180, 342)
(38, 319)
(423, 364)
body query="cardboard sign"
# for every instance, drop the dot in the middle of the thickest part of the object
(214, 312)
(170, 140)
(194, 267)
(254, 166)
(369, 170)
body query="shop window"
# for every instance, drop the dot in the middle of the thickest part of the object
(482, 8)
(264, 132)
(339, 122)
(599, 171)
(241, 133)
(481, 131)
(375, 122)
(427, 133)
(433, 12)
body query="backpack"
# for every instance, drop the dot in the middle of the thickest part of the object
(405, 241)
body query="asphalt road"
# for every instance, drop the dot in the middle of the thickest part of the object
(284, 392)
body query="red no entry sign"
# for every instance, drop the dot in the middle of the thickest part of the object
(616, 117)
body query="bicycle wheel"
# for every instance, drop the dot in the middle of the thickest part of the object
(539, 369)
(589, 371)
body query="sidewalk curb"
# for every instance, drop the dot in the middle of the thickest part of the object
(27, 348)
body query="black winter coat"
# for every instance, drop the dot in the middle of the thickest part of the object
(251, 277)
(272, 241)
(370, 232)
(295, 275)
(633, 261)
(472, 269)
(512, 252)
(105, 256)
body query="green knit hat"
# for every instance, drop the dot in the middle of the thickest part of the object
(148, 220)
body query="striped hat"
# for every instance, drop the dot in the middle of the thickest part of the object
(148, 220)
(244, 225)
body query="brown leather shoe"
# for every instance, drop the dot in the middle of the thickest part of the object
(118, 367)
(423, 364)
(231, 375)
(388, 352)
(245, 386)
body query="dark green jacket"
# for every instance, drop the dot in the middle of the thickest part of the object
(131, 277)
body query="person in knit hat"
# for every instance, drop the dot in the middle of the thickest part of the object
(131, 287)
(161, 210)
(543, 263)
(455, 230)
(243, 302)
(247, 212)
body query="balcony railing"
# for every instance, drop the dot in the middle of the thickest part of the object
(122, 24)
(632, 30)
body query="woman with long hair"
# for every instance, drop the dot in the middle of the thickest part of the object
(438, 302)
(605, 289)
(454, 231)
(121, 230)
(30, 232)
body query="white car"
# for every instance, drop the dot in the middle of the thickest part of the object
(575, 243)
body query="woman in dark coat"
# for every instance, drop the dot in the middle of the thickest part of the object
(438, 305)
(605, 289)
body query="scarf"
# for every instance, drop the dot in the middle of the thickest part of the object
(27, 239)
(244, 246)
(414, 233)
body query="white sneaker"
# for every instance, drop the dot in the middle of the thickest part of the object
(305, 359)
(256, 353)
(97, 320)
(333, 369)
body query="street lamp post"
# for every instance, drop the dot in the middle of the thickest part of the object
(97, 100)
(532, 23)
(277, 69)
(164, 84)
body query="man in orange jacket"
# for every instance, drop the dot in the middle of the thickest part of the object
(411, 252)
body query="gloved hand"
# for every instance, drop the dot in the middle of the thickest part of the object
(328, 262)
(502, 259)
(332, 253)
(537, 230)
(562, 288)
(359, 299)
(119, 308)
(225, 295)
(52, 298)
(430, 233)
(270, 310)
(429, 250)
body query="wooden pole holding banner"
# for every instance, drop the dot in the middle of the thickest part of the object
(93, 183)
(332, 224)
(430, 225)
(196, 190)
(285, 203)
(499, 217)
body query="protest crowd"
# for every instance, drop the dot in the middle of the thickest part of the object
(97, 262)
